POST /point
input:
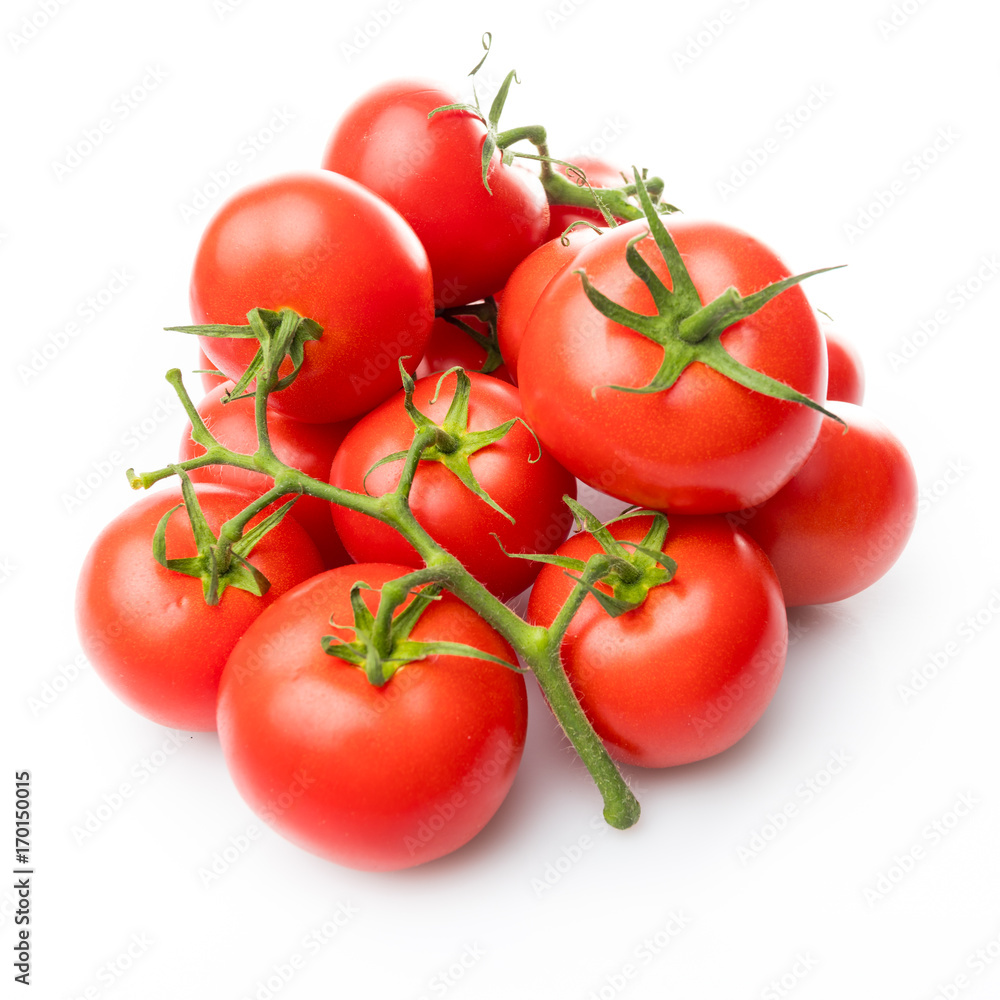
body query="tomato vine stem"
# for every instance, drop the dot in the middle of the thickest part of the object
(538, 648)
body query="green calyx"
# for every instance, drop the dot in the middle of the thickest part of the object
(683, 326)
(221, 562)
(631, 570)
(494, 138)
(486, 313)
(280, 334)
(453, 444)
(382, 642)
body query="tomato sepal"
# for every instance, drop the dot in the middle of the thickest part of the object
(382, 643)
(221, 562)
(686, 329)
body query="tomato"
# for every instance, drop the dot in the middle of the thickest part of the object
(307, 447)
(844, 519)
(527, 283)
(705, 445)
(530, 491)
(847, 375)
(375, 778)
(688, 672)
(430, 170)
(600, 174)
(331, 250)
(450, 346)
(147, 630)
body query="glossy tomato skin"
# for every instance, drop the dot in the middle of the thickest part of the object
(706, 445)
(600, 174)
(527, 283)
(530, 491)
(307, 447)
(450, 346)
(331, 250)
(687, 673)
(148, 631)
(845, 518)
(376, 778)
(430, 170)
(846, 381)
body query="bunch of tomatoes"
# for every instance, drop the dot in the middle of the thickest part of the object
(413, 356)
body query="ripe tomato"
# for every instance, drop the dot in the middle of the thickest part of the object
(688, 672)
(430, 170)
(530, 491)
(451, 346)
(148, 631)
(527, 283)
(705, 445)
(307, 447)
(600, 174)
(844, 519)
(376, 778)
(847, 375)
(334, 252)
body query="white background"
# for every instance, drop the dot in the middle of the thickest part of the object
(124, 912)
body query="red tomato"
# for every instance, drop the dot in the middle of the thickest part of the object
(148, 631)
(688, 672)
(334, 252)
(530, 491)
(450, 346)
(430, 170)
(844, 519)
(600, 174)
(307, 447)
(527, 283)
(376, 778)
(707, 444)
(847, 375)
